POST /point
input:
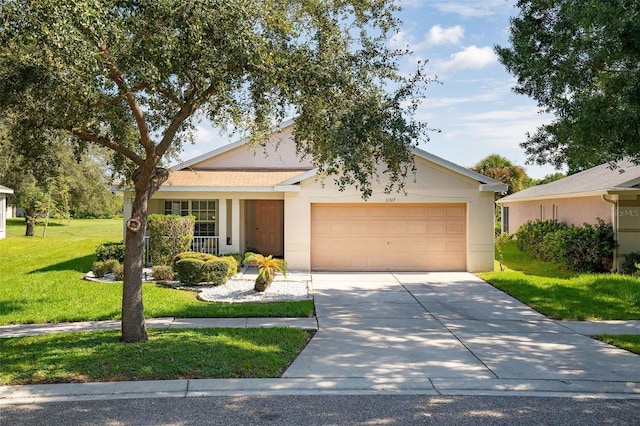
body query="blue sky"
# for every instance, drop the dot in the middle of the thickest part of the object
(474, 106)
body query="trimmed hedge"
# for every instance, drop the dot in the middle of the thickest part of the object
(102, 268)
(110, 250)
(191, 255)
(216, 271)
(189, 270)
(162, 273)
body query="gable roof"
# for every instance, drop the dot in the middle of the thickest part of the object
(225, 148)
(5, 190)
(183, 173)
(486, 183)
(602, 179)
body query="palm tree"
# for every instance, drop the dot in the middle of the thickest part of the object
(499, 168)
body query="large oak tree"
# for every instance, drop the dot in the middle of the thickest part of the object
(133, 75)
(580, 60)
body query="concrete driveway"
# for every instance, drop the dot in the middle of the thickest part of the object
(450, 330)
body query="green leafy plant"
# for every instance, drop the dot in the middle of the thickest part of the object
(501, 242)
(233, 265)
(162, 273)
(110, 250)
(168, 236)
(239, 259)
(530, 236)
(216, 271)
(267, 269)
(631, 263)
(100, 269)
(189, 270)
(191, 255)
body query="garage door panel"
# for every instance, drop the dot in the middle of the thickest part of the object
(380, 237)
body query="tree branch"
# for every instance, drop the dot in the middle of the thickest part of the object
(185, 112)
(89, 136)
(134, 105)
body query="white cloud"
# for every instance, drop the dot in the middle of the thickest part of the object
(471, 57)
(438, 35)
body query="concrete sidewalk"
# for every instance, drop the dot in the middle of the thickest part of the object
(400, 333)
(310, 324)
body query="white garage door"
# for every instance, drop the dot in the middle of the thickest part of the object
(388, 237)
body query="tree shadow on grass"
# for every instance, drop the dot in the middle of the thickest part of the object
(80, 264)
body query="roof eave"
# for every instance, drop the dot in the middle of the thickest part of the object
(274, 188)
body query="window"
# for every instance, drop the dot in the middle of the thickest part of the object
(505, 219)
(203, 210)
(541, 212)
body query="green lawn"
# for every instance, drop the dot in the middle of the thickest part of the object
(41, 281)
(566, 295)
(169, 354)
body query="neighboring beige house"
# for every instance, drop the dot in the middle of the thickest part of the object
(271, 201)
(611, 194)
(4, 191)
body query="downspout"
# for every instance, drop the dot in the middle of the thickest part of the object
(614, 222)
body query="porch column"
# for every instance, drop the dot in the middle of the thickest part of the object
(222, 225)
(235, 226)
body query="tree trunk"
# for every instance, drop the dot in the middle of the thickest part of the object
(146, 183)
(134, 328)
(30, 220)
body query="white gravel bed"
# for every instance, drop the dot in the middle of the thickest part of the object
(238, 291)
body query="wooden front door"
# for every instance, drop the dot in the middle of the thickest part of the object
(269, 227)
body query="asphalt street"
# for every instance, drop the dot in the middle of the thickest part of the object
(328, 410)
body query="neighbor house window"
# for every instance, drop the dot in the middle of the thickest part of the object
(555, 212)
(505, 219)
(203, 210)
(541, 212)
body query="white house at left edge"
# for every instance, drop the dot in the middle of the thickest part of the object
(269, 200)
(4, 192)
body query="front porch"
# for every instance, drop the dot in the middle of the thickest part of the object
(227, 225)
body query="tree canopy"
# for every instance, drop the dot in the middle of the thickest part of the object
(133, 75)
(499, 168)
(580, 60)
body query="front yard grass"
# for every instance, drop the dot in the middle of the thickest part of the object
(566, 295)
(169, 354)
(41, 281)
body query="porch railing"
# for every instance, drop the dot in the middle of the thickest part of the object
(199, 244)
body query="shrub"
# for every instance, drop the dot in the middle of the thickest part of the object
(162, 273)
(233, 265)
(191, 255)
(216, 271)
(168, 236)
(189, 270)
(118, 272)
(631, 263)
(110, 250)
(589, 248)
(100, 269)
(530, 236)
(239, 258)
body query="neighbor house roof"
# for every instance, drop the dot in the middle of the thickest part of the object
(5, 190)
(603, 179)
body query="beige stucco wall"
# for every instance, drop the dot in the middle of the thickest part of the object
(434, 184)
(279, 153)
(572, 211)
(3, 215)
